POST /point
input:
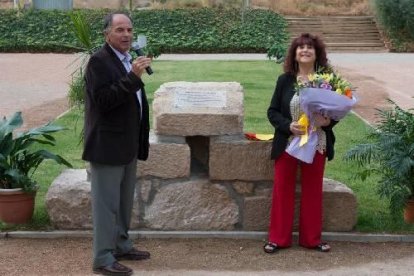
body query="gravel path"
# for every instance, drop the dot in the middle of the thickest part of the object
(209, 257)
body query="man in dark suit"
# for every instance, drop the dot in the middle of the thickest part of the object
(116, 135)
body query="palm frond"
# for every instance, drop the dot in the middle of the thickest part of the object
(389, 153)
(81, 29)
(362, 154)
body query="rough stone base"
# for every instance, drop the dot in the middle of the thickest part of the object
(193, 205)
(68, 202)
(339, 209)
(196, 204)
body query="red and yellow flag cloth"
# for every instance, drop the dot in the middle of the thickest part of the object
(303, 121)
(258, 137)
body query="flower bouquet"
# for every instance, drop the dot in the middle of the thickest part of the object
(327, 94)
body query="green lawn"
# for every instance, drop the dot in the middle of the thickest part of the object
(258, 79)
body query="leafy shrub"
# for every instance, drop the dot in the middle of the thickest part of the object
(168, 31)
(389, 152)
(35, 31)
(18, 158)
(397, 19)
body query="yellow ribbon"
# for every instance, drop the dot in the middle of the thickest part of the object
(304, 122)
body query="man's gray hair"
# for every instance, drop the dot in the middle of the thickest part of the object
(109, 18)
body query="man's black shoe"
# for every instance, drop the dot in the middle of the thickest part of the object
(115, 269)
(133, 254)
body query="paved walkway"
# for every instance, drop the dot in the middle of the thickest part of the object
(391, 72)
(33, 82)
(29, 81)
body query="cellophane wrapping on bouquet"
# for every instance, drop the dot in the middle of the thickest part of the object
(325, 102)
(322, 101)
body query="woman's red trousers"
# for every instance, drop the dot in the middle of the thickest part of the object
(283, 201)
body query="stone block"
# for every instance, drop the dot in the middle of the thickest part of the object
(199, 108)
(236, 158)
(339, 209)
(192, 205)
(256, 213)
(68, 201)
(243, 188)
(169, 139)
(165, 160)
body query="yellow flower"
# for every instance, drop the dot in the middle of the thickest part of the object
(312, 77)
(327, 77)
(325, 80)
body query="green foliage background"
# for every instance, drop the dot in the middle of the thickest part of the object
(397, 19)
(185, 30)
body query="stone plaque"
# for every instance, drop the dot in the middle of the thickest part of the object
(198, 108)
(185, 99)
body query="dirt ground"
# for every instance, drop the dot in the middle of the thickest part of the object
(176, 256)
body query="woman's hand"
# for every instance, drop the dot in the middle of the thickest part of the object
(320, 120)
(296, 128)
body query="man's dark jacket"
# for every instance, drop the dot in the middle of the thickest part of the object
(280, 117)
(115, 133)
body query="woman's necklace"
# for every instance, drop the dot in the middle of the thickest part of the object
(304, 76)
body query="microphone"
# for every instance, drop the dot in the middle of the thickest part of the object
(137, 48)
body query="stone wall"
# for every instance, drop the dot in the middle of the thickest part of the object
(202, 174)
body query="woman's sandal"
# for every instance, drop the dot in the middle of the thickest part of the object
(270, 248)
(322, 247)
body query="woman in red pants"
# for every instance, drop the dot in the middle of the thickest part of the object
(306, 54)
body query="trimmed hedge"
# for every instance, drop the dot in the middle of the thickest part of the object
(34, 31)
(168, 31)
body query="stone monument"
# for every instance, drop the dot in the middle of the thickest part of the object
(202, 173)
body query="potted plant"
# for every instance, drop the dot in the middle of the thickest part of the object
(18, 161)
(389, 153)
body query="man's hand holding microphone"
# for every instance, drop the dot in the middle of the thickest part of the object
(142, 62)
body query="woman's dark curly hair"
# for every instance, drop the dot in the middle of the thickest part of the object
(291, 65)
